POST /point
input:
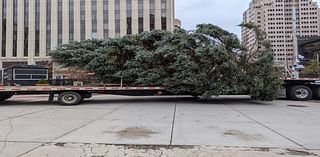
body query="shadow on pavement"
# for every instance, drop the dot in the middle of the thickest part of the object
(135, 100)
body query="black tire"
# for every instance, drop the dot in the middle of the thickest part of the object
(69, 98)
(301, 93)
(5, 96)
(316, 94)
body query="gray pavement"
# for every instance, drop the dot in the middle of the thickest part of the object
(29, 126)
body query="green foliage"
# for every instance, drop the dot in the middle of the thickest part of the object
(205, 62)
(43, 82)
(312, 69)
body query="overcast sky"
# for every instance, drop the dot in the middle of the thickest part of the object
(224, 13)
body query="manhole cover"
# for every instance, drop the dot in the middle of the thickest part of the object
(296, 106)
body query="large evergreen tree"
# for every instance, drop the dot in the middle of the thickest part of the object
(205, 62)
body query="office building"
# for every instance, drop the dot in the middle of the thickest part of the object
(30, 29)
(275, 17)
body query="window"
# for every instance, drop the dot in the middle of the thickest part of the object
(117, 17)
(94, 19)
(129, 16)
(37, 22)
(71, 20)
(152, 14)
(26, 28)
(140, 15)
(82, 19)
(48, 29)
(15, 28)
(60, 22)
(163, 14)
(30, 74)
(4, 27)
(105, 19)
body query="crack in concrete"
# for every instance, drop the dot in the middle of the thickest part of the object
(173, 122)
(26, 114)
(265, 126)
(73, 130)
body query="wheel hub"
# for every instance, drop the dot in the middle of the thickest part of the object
(70, 99)
(302, 93)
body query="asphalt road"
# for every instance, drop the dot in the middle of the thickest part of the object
(29, 126)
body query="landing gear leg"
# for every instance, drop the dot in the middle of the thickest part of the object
(51, 97)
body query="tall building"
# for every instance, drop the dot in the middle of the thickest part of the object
(275, 17)
(30, 29)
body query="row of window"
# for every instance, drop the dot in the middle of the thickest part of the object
(71, 16)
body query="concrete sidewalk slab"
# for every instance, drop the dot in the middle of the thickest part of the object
(70, 114)
(241, 134)
(208, 113)
(150, 112)
(133, 124)
(306, 135)
(121, 132)
(278, 115)
(14, 149)
(7, 111)
(37, 130)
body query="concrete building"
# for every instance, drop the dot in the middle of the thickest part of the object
(177, 23)
(30, 29)
(275, 17)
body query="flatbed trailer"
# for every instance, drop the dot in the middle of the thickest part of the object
(301, 89)
(73, 95)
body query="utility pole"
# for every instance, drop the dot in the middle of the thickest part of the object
(296, 67)
(318, 64)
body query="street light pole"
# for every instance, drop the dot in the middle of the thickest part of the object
(295, 40)
(318, 66)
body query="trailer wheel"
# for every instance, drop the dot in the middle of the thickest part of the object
(69, 98)
(301, 93)
(5, 96)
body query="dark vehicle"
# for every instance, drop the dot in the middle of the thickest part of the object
(24, 75)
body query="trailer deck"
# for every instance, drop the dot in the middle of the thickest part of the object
(73, 95)
(301, 89)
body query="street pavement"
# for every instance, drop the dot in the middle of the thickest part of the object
(151, 126)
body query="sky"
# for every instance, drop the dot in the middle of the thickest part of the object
(224, 13)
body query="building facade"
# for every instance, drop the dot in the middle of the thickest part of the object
(30, 29)
(275, 17)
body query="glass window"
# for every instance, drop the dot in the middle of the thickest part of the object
(39, 77)
(164, 14)
(4, 28)
(60, 22)
(152, 14)
(94, 18)
(26, 28)
(71, 20)
(105, 19)
(15, 28)
(140, 15)
(129, 16)
(117, 17)
(82, 19)
(37, 21)
(48, 29)
(23, 77)
(31, 71)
